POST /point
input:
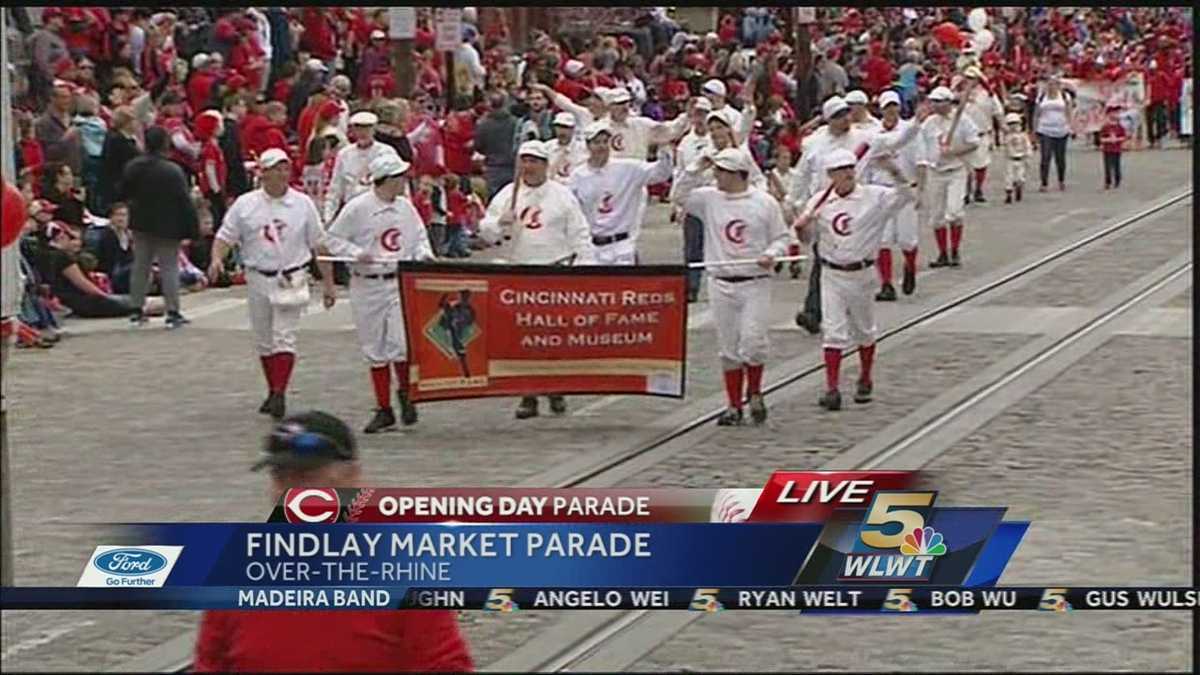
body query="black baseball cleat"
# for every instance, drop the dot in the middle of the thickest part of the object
(758, 408)
(886, 294)
(278, 407)
(732, 417)
(979, 198)
(265, 408)
(385, 418)
(955, 261)
(778, 267)
(408, 410)
(831, 400)
(528, 408)
(909, 284)
(808, 323)
(942, 261)
(1008, 196)
(693, 296)
(862, 394)
(558, 405)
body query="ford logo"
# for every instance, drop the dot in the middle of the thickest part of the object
(130, 562)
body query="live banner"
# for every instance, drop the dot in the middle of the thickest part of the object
(528, 330)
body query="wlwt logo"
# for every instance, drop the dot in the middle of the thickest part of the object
(311, 505)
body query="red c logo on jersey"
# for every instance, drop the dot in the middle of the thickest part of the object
(605, 203)
(278, 226)
(390, 239)
(735, 231)
(618, 142)
(841, 224)
(564, 168)
(531, 217)
(311, 505)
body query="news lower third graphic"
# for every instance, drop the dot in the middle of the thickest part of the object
(813, 542)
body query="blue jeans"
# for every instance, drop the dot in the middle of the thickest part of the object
(693, 250)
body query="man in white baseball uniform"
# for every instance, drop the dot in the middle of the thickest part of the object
(942, 173)
(695, 143)
(548, 227)
(900, 228)
(716, 93)
(741, 223)
(850, 224)
(860, 117)
(567, 151)
(612, 193)
(278, 231)
(985, 110)
(378, 228)
(632, 135)
(351, 167)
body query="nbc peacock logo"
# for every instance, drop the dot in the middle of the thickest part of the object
(894, 542)
(923, 541)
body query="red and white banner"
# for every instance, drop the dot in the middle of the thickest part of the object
(486, 330)
(1093, 96)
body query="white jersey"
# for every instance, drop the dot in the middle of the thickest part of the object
(905, 156)
(811, 179)
(613, 197)
(738, 226)
(850, 228)
(566, 158)
(871, 124)
(386, 230)
(351, 175)
(690, 148)
(273, 234)
(735, 118)
(693, 176)
(982, 109)
(550, 224)
(932, 131)
(632, 138)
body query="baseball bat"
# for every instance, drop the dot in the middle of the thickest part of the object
(962, 103)
(859, 153)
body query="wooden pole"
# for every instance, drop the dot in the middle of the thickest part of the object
(402, 66)
(8, 169)
(804, 104)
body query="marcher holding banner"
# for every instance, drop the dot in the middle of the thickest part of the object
(378, 228)
(740, 223)
(547, 224)
(612, 193)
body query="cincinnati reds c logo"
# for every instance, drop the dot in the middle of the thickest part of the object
(841, 224)
(564, 169)
(618, 142)
(735, 231)
(365, 178)
(605, 203)
(531, 216)
(278, 226)
(390, 239)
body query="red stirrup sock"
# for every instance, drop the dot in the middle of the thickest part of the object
(754, 375)
(381, 380)
(284, 362)
(910, 260)
(268, 366)
(401, 368)
(733, 387)
(866, 359)
(833, 364)
(939, 233)
(956, 232)
(885, 265)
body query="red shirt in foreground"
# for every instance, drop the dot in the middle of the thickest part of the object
(339, 640)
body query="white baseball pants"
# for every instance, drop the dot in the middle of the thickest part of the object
(848, 308)
(622, 252)
(1014, 172)
(741, 311)
(378, 319)
(901, 229)
(274, 327)
(943, 198)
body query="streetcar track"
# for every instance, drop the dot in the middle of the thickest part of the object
(592, 638)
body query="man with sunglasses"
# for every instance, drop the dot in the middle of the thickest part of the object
(318, 449)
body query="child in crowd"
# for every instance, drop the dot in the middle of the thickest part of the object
(92, 131)
(1016, 148)
(1112, 141)
(458, 209)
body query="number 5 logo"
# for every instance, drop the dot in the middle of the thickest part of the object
(899, 600)
(705, 600)
(888, 508)
(1054, 600)
(500, 600)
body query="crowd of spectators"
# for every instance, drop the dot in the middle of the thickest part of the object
(223, 84)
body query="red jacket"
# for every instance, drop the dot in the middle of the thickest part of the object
(1112, 130)
(318, 37)
(879, 74)
(338, 640)
(458, 138)
(199, 89)
(255, 135)
(211, 154)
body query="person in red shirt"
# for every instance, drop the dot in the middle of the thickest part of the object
(200, 84)
(315, 448)
(1160, 98)
(878, 70)
(1112, 140)
(458, 139)
(319, 38)
(213, 171)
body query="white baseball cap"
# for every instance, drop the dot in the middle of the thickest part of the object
(387, 166)
(840, 159)
(564, 119)
(272, 157)
(316, 64)
(941, 94)
(887, 98)
(595, 129)
(1012, 118)
(733, 159)
(703, 104)
(199, 61)
(856, 97)
(833, 106)
(714, 87)
(378, 35)
(533, 149)
(720, 116)
(573, 67)
(619, 95)
(364, 119)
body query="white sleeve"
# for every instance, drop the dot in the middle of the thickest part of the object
(312, 224)
(230, 231)
(416, 236)
(744, 125)
(338, 238)
(489, 225)
(693, 203)
(779, 235)
(658, 170)
(929, 149)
